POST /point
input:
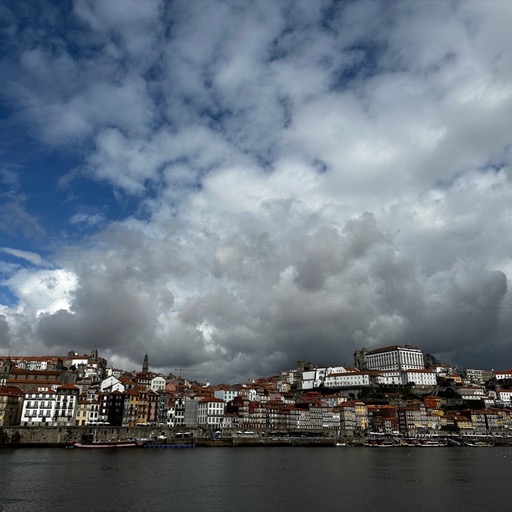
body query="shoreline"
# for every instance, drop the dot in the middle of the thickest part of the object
(167, 437)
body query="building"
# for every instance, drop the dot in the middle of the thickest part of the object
(419, 377)
(30, 379)
(350, 378)
(11, 403)
(412, 419)
(87, 366)
(110, 384)
(505, 396)
(383, 419)
(116, 404)
(333, 377)
(157, 384)
(210, 412)
(353, 417)
(131, 407)
(227, 393)
(388, 378)
(36, 362)
(38, 407)
(66, 405)
(87, 411)
(477, 376)
(503, 375)
(394, 357)
(472, 392)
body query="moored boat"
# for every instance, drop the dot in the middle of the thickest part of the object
(479, 444)
(130, 443)
(432, 443)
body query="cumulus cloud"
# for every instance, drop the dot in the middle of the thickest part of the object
(305, 178)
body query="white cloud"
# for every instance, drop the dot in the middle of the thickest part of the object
(43, 291)
(31, 257)
(303, 185)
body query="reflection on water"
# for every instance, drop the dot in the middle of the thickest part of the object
(255, 479)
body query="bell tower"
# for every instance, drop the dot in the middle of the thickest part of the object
(145, 364)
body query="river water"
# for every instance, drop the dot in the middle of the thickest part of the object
(259, 479)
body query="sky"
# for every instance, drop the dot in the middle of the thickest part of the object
(231, 186)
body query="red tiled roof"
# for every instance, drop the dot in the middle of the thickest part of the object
(211, 399)
(37, 372)
(10, 390)
(68, 386)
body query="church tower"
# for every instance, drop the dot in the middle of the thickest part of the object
(145, 364)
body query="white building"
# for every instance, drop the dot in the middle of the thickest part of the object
(227, 394)
(157, 384)
(419, 377)
(473, 392)
(389, 378)
(111, 384)
(503, 375)
(316, 377)
(66, 405)
(38, 407)
(353, 378)
(334, 377)
(210, 413)
(505, 396)
(394, 357)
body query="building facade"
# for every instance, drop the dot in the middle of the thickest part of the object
(390, 358)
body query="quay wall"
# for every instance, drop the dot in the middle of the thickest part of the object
(62, 436)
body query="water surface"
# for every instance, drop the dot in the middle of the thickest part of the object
(255, 479)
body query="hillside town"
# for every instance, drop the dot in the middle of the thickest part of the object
(393, 390)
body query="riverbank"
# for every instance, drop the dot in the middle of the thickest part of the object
(65, 436)
(59, 437)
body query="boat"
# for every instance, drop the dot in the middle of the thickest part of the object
(425, 443)
(432, 443)
(479, 444)
(340, 444)
(129, 443)
(387, 443)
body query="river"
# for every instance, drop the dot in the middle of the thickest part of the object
(262, 479)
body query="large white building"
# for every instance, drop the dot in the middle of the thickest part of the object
(348, 378)
(210, 413)
(38, 407)
(393, 357)
(419, 377)
(402, 378)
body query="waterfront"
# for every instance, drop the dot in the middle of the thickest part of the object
(254, 479)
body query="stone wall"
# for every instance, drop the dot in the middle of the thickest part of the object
(61, 436)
